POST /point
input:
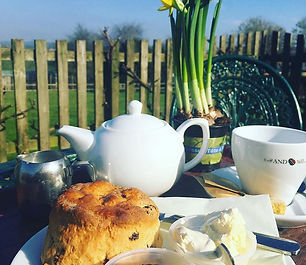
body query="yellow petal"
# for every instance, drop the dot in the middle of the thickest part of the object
(167, 3)
(163, 8)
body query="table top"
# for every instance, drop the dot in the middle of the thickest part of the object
(16, 230)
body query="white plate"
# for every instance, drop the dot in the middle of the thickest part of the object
(295, 213)
(29, 254)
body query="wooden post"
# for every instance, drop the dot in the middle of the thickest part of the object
(249, 45)
(240, 47)
(266, 43)
(257, 44)
(98, 59)
(274, 48)
(81, 82)
(115, 86)
(3, 154)
(296, 69)
(63, 91)
(262, 44)
(156, 77)
(169, 79)
(205, 50)
(232, 44)
(215, 47)
(286, 54)
(129, 61)
(144, 59)
(42, 94)
(222, 44)
(20, 93)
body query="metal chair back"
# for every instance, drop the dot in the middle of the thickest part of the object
(250, 91)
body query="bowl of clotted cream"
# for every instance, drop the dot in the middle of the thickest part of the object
(197, 236)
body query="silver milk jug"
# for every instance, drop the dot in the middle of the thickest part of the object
(40, 178)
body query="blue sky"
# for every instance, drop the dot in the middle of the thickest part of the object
(55, 19)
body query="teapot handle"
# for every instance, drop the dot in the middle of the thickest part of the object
(205, 129)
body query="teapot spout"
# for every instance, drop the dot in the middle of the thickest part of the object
(80, 139)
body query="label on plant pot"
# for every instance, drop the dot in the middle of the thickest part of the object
(214, 151)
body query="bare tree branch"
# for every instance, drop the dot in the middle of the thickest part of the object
(111, 44)
(135, 77)
(18, 115)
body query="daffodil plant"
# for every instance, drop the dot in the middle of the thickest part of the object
(188, 27)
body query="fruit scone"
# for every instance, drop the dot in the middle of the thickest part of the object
(92, 222)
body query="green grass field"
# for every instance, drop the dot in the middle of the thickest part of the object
(10, 124)
(32, 114)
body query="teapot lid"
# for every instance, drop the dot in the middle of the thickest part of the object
(134, 120)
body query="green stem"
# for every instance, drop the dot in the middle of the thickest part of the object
(184, 58)
(200, 48)
(176, 62)
(194, 87)
(178, 88)
(210, 51)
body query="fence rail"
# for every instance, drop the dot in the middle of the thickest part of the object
(152, 66)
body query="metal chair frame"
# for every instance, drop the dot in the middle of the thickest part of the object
(250, 91)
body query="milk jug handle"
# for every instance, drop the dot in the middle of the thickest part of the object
(89, 168)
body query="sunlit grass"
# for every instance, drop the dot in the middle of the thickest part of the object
(53, 108)
(10, 124)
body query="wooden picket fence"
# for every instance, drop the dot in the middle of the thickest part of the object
(153, 67)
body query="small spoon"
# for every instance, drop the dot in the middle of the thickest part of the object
(221, 253)
(214, 184)
(208, 180)
(225, 254)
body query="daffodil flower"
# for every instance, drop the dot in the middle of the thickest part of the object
(192, 77)
(170, 4)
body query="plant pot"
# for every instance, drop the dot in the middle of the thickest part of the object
(216, 143)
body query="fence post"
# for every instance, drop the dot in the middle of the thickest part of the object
(274, 48)
(3, 154)
(98, 59)
(144, 59)
(286, 54)
(232, 42)
(156, 77)
(42, 94)
(223, 44)
(296, 70)
(20, 93)
(215, 51)
(249, 44)
(267, 44)
(257, 44)
(63, 91)
(129, 61)
(80, 58)
(240, 47)
(115, 85)
(169, 79)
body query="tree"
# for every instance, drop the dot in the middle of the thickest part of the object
(258, 24)
(127, 31)
(300, 27)
(82, 33)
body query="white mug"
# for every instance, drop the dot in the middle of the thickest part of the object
(270, 160)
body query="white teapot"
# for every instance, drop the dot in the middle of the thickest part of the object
(136, 150)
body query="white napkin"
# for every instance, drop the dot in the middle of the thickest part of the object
(256, 210)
